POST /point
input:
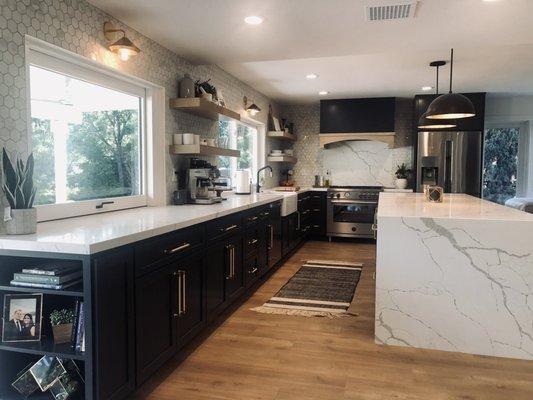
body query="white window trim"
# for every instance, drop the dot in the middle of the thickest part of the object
(153, 145)
(260, 143)
(524, 184)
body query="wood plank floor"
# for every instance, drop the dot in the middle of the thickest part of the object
(253, 356)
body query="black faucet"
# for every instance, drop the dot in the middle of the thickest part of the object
(258, 171)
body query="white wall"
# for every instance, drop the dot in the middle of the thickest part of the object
(516, 109)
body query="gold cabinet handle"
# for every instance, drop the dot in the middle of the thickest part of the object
(253, 271)
(174, 250)
(253, 241)
(271, 242)
(229, 228)
(183, 292)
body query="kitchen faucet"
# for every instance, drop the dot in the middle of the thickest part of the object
(258, 171)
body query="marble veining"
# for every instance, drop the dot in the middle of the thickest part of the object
(455, 284)
(95, 233)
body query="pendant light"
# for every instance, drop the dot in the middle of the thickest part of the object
(424, 122)
(451, 105)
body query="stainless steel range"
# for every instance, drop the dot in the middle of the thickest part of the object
(351, 210)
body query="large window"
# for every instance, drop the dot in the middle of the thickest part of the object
(87, 134)
(243, 138)
(505, 162)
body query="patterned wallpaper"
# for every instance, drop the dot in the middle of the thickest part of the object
(350, 163)
(76, 25)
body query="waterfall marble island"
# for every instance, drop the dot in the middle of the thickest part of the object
(454, 276)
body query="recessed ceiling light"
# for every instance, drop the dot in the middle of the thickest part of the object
(427, 88)
(311, 76)
(253, 20)
(323, 92)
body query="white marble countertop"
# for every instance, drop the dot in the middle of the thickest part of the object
(454, 206)
(94, 233)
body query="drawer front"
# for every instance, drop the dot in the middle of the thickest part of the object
(317, 199)
(251, 270)
(256, 215)
(223, 227)
(149, 253)
(252, 241)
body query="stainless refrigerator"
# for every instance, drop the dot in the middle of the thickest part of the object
(451, 160)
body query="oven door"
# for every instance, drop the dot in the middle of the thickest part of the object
(351, 218)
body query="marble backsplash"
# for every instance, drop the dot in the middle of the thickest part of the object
(351, 162)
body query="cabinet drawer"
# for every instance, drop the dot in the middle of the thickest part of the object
(251, 270)
(252, 240)
(162, 247)
(223, 227)
(256, 214)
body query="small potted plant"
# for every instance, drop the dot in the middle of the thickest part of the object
(62, 321)
(20, 193)
(402, 173)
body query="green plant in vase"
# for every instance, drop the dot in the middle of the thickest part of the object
(20, 193)
(402, 173)
(62, 321)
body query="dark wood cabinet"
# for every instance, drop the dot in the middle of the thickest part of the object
(114, 325)
(274, 235)
(224, 273)
(156, 303)
(190, 286)
(318, 212)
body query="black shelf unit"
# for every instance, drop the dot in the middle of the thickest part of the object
(16, 355)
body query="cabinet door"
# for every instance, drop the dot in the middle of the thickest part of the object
(215, 262)
(190, 297)
(156, 304)
(113, 322)
(233, 257)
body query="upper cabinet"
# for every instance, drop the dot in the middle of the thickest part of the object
(475, 124)
(371, 115)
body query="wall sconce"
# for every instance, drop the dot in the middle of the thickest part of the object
(253, 109)
(123, 46)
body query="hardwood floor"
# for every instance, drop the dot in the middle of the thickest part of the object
(253, 356)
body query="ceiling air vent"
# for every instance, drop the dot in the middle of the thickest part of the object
(396, 10)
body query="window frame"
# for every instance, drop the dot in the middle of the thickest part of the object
(152, 142)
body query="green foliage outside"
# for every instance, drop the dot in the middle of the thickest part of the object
(244, 144)
(102, 156)
(500, 164)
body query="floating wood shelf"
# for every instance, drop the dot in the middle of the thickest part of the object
(328, 138)
(282, 135)
(282, 158)
(204, 108)
(193, 149)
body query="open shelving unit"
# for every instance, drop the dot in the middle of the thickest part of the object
(14, 356)
(204, 108)
(282, 135)
(200, 149)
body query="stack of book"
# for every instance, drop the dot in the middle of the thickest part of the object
(48, 277)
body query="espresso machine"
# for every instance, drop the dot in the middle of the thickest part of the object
(201, 177)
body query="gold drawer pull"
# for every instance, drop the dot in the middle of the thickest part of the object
(229, 228)
(174, 250)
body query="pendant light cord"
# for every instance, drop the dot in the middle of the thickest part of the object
(437, 83)
(451, 70)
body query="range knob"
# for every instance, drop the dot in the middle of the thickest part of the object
(347, 194)
(338, 195)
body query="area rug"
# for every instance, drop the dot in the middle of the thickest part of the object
(320, 288)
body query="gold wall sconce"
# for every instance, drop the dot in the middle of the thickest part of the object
(251, 109)
(123, 47)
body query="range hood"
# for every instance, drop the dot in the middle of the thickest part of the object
(367, 119)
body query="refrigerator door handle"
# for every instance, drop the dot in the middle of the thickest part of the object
(448, 165)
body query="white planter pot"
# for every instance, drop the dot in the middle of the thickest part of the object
(400, 183)
(23, 222)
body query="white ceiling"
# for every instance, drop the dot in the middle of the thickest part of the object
(354, 58)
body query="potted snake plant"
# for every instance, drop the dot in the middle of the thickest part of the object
(20, 193)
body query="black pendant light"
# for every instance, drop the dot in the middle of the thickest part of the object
(424, 122)
(451, 105)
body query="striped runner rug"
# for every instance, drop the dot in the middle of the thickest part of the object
(320, 288)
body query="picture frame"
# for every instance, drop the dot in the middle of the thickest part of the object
(22, 318)
(46, 371)
(24, 382)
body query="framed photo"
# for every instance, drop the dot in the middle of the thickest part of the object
(46, 371)
(25, 383)
(22, 317)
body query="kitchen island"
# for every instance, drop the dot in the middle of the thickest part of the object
(454, 276)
